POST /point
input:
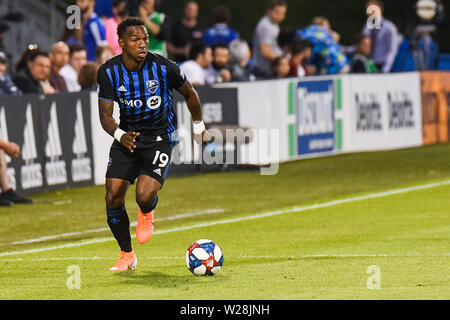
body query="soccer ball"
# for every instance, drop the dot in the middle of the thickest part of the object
(204, 258)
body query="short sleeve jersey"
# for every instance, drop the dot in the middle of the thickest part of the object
(266, 33)
(145, 97)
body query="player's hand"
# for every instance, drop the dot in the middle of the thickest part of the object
(12, 150)
(203, 138)
(128, 140)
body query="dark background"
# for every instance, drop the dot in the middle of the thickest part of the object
(347, 16)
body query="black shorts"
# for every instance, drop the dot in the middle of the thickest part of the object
(149, 159)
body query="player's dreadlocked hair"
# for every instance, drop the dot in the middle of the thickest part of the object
(129, 22)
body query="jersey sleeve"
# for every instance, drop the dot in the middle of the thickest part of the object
(104, 87)
(176, 78)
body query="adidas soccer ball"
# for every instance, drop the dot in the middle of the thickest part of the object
(204, 258)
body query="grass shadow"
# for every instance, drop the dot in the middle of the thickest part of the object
(162, 280)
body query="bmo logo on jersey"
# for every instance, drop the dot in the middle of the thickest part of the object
(131, 103)
(154, 102)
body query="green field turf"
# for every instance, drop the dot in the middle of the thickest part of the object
(305, 252)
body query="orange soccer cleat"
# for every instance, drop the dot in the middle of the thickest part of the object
(127, 261)
(145, 226)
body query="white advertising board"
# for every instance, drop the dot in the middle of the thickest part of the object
(381, 112)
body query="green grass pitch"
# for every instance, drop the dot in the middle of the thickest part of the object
(320, 252)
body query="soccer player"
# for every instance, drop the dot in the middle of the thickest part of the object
(142, 83)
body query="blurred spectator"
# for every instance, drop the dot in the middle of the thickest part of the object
(221, 32)
(8, 195)
(328, 56)
(34, 78)
(420, 52)
(240, 57)
(78, 57)
(280, 68)
(103, 8)
(301, 52)
(120, 13)
(325, 23)
(266, 48)
(94, 33)
(157, 25)
(25, 57)
(185, 33)
(195, 69)
(385, 40)
(59, 57)
(361, 62)
(133, 7)
(218, 71)
(7, 86)
(87, 78)
(286, 39)
(103, 54)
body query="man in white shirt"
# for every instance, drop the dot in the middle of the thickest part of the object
(218, 71)
(195, 69)
(78, 58)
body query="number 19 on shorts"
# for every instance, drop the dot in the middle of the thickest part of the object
(161, 159)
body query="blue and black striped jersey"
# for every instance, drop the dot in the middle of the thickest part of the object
(145, 97)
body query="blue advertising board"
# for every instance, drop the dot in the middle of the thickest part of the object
(315, 117)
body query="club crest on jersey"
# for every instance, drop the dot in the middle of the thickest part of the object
(152, 86)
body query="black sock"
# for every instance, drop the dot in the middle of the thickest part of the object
(148, 209)
(120, 226)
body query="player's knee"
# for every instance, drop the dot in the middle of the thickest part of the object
(113, 200)
(146, 197)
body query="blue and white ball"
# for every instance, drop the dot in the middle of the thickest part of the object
(204, 258)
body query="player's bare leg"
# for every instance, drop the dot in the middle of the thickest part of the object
(4, 184)
(8, 196)
(116, 190)
(147, 190)
(3, 180)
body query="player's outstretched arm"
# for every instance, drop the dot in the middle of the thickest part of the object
(195, 108)
(11, 149)
(126, 139)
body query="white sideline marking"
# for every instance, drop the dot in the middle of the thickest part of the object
(79, 259)
(133, 224)
(62, 203)
(309, 256)
(409, 255)
(253, 217)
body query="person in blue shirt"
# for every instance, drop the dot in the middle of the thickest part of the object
(94, 32)
(221, 32)
(420, 52)
(328, 55)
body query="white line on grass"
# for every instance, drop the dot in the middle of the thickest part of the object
(252, 217)
(133, 224)
(249, 257)
(314, 256)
